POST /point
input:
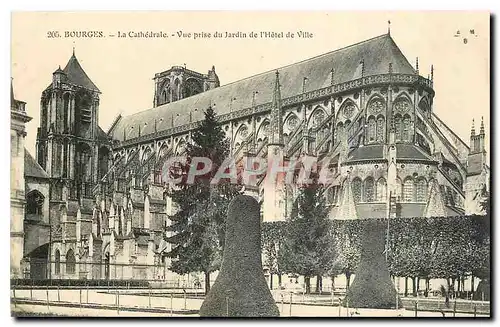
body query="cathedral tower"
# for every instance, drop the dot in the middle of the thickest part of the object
(67, 138)
(179, 82)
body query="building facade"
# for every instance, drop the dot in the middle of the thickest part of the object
(363, 109)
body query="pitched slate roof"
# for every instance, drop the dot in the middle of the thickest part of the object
(409, 151)
(377, 53)
(77, 75)
(367, 152)
(32, 168)
(376, 152)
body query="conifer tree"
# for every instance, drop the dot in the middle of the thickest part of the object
(308, 245)
(199, 223)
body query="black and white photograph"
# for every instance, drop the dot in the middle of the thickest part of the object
(196, 164)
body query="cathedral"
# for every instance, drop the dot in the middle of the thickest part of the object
(92, 204)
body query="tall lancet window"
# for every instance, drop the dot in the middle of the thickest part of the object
(57, 259)
(399, 189)
(406, 129)
(397, 127)
(380, 129)
(381, 189)
(356, 189)
(339, 132)
(372, 127)
(369, 189)
(70, 262)
(421, 190)
(408, 190)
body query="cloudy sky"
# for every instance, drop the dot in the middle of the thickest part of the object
(123, 68)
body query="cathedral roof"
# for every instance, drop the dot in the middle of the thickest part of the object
(368, 152)
(409, 151)
(376, 152)
(376, 53)
(77, 75)
(32, 168)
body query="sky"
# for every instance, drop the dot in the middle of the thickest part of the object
(123, 68)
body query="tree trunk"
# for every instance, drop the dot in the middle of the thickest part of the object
(414, 284)
(406, 286)
(319, 284)
(427, 286)
(307, 281)
(418, 284)
(449, 291)
(348, 279)
(271, 281)
(333, 284)
(459, 284)
(279, 279)
(207, 282)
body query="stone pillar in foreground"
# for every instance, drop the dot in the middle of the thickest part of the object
(373, 287)
(240, 289)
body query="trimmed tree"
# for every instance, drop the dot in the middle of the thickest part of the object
(372, 287)
(198, 226)
(347, 245)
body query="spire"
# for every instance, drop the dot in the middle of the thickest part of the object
(332, 71)
(481, 130)
(416, 66)
(432, 72)
(472, 130)
(362, 63)
(389, 27)
(390, 68)
(74, 51)
(76, 75)
(276, 125)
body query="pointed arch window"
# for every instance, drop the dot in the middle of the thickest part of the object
(399, 189)
(380, 129)
(57, 262)
(381, 190)
(372, 129)
(421, 188)
(356, 190)
(339, 132)
(70, 262)
(397, 127)
(406, 129)
(408, 190)
(349, 128)
(66, 115)
(369, 189)
(177, 90)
